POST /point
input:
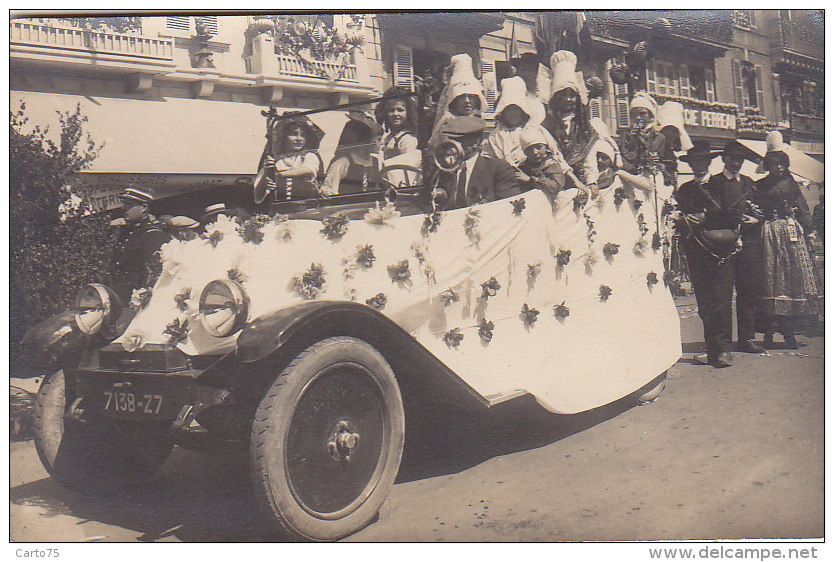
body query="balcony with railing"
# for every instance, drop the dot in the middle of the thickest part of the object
(56, 42)
(332, 70)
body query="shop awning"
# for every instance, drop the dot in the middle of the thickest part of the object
(801, 164)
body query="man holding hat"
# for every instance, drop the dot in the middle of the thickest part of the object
(717, 216)
(478, 178)
(136, 259)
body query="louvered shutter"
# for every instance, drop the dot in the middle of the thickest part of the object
(403, 68)
(177, 22)
(489, 80)
(651, 77)
(672, 73)
(738, 84)
(621, 102)
(759, 88)
(595, 106)
(211, 23)
(683, 73)
(709, 78)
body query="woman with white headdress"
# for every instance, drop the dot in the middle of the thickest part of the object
(791, 291)
(462, 96)
(569, 119)
(512, 116)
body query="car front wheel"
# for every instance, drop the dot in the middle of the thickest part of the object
(327, 440)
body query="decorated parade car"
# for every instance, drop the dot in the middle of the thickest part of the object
(302, 337)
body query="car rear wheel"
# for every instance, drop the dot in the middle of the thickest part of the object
(327, 440)
(93, 455)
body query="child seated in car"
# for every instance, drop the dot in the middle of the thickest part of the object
(540, 169)
(291, 170)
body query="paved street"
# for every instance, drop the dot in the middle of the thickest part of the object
(731, 453)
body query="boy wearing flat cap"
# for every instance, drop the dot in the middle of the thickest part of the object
(720, 243)
(136, 258)
(478, 179)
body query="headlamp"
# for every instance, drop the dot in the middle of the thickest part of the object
(95, 307)
(224, 307)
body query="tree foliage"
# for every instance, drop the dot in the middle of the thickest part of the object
(57, 245)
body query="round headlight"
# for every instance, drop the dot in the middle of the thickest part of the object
(94, 306)
(224, 307)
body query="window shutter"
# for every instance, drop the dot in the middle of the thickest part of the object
(683, 73)
(672, 73)
(759, 88)
(709, 78)
(489, 80)
(595, 106)
(403, 68)
(211, 23)
(751, 17)
(621, 102)
(177, 22)
(738, 85)
(651, 77)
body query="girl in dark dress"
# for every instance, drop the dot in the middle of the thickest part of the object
(292, 169)
(791, 292)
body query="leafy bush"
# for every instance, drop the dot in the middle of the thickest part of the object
(57, 245)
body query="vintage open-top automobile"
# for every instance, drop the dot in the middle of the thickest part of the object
(299, 337)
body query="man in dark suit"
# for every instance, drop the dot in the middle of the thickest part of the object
(717, 217)
(479, 179)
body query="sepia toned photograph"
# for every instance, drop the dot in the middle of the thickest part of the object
(383, 277)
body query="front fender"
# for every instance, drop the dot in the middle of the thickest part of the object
(53, 336)
(299, 326)
(265, 335)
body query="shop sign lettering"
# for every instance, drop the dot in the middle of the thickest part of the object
(709, 119)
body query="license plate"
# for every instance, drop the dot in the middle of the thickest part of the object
(129, 402)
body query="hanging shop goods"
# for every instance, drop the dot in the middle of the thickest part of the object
(258, 331)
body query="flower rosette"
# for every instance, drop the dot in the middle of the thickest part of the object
(400, 273)
(490, 288)
(335, 227)
(310, 284)
(382, 215)
(177, 332)
(453, 337)
(378, 301)
(528, 315)
(610, 250)
(561, 311)
(140, 298)
(485, 329)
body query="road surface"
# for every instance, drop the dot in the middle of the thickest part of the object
(730, 453)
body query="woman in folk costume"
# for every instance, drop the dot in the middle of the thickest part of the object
(462, 96)
(569, 120)
(355, 165)
(610, 161)
(790, 287)
(512, 115)
(672, 138)
(290, 165)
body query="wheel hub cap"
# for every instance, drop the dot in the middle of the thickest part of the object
(342, 441)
